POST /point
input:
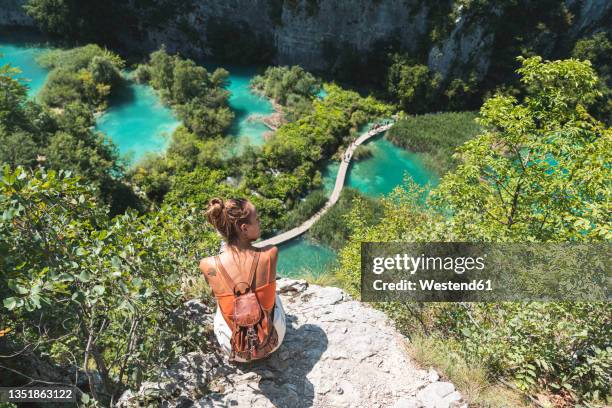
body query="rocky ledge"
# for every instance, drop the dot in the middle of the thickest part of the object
(337, 352)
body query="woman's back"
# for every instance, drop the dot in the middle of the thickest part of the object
(265, 273)
(265, 290)
(238, 268)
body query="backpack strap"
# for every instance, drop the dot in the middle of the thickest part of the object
(230, 282)
(251, 280)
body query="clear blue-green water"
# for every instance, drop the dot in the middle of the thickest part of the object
(246, 106)
(245, 103)
(300, 256)
(136, 120)
(21, 53)
(380, 174)
(139, 123)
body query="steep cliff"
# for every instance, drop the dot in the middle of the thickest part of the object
(320, 35)
(303, 32)
(12, 14)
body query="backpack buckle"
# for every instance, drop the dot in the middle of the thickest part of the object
(252, 334)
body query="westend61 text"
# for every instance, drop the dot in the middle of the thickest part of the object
(430, 284)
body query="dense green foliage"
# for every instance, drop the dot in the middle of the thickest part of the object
(544, 161)
(31, 134)
(332, 230)
(186, 152)
(412, 85)
(290, 159)
(417, 89)
(291, 87)
(305, 208)
(86, 75)
(197, 96)
(539, 172)
(102, 22)
(81, 286)
(598, 50)
(436, 135)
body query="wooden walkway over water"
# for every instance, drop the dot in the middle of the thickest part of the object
(348, 155)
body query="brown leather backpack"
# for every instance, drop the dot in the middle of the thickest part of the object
(253, 334)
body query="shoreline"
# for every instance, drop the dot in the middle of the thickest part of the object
(272, 121)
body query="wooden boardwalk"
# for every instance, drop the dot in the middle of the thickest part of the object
(348, 155)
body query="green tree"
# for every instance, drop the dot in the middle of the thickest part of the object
(598, 50)
(197, 96)
(279, 83)
(539, 171)
(31, 134)
(86, 74)
(98, 286)
(53, 16)
(412, 85)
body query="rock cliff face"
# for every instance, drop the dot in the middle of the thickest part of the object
(469, 44)
(337, 352)
(360, 24)
(300, 31)
(12, 14)
(313, 33)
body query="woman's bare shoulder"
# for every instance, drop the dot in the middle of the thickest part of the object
(272, 250)
(206, 264)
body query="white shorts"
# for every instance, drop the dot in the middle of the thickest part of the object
(224, 333)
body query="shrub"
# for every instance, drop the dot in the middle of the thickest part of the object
(98, 286)
(536, 173)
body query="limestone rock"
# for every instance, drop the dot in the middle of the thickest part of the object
(337, 352)
(178, 385)
(432, 375)
(284, 285)
(438, 395)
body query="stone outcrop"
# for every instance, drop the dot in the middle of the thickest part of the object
(337, 352)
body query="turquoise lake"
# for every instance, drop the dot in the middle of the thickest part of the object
(380, 174)
(139, 123)
(375, 176)
(300, 256)
(245, 103)
(246, 106)
(20, 53)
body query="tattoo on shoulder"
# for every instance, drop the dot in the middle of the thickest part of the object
(212, 271)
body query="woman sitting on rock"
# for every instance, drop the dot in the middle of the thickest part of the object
(250, 319)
